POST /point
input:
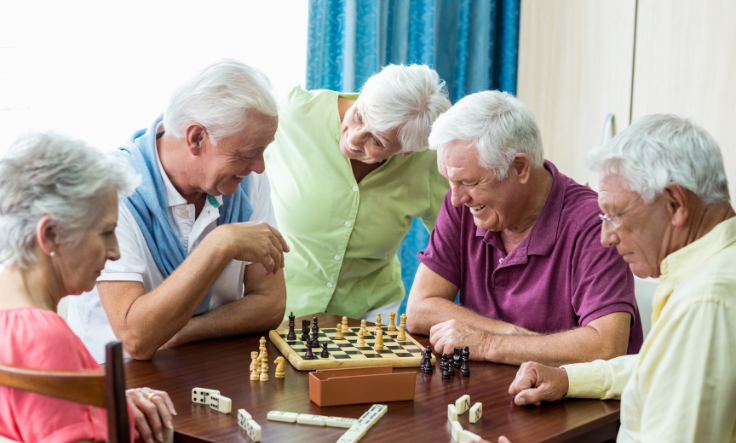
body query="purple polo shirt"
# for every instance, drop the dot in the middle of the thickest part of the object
(560, 277)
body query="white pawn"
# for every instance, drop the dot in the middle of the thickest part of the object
(338, 332)
(379, 341)
(392, 321)
(345, 328)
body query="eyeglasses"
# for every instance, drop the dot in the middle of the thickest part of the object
(615, 219)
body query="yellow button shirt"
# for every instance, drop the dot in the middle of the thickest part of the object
(681, 387)
(343, 235)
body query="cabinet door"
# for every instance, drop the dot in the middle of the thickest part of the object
(686, 65)
(575, 68)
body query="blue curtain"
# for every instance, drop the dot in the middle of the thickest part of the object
(473, 45)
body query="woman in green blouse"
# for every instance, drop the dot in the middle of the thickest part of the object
(348, 173)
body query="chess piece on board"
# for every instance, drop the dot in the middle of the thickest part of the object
(325, 353)
(378, 322)
(361, 340)
(280, 371)
(255, 365)
(392, 321)
(315, 333)
(402, 332)
(264, 367)
(465, 370)
(338, 333)
(363, 328)
(378, 346)
(309, 355)
(457, 358)
(292, 334)
(345, 328)
(305, 330)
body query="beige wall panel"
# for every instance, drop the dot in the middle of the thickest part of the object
(686, 65)
(575, 67)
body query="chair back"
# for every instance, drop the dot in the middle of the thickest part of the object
(95, 387)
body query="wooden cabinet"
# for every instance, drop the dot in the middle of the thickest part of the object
(580, 60)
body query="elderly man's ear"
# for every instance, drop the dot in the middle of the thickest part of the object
(195, 136)
(678, 203)
(521, 167)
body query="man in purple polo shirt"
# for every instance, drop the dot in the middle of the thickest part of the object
(521, 242)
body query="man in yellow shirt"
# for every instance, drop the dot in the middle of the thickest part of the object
(664, 195)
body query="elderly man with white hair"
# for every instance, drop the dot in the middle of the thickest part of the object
(664, 194)
(200, 257)
(520, 241)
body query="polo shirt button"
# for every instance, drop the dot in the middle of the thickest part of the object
(337, 257)
(347, 224)
(329, 285)
(355, 188)
(500, 260)
(184, 213)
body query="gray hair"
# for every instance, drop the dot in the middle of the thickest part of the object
(497, 124)
(49, 174)
(658, 149)
(407, 97)
(218, 97)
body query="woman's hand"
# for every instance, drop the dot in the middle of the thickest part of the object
(152, 410)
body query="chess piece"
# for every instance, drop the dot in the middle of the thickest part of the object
(305, 330)
(255, 366)
(325, 353)
(378, 323)
(315, 333)
(457, 358)
(423, 363)
(292, 334)
(392, 321)
(429, 366)
(450, 369)
(364, 328)
(280, 363)
(443, 367)
(338, 333)
(264, 367)
(309, 355)
(263, 343)
(361, 341)
(378, 346)
(345, 328)
(402, 333)
(465, 370)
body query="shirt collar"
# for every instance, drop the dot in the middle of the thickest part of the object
(543, 237)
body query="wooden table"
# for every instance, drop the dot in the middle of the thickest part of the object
(224, 365)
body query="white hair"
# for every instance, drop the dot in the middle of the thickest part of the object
(218, 97)
(658, 149)
(497, 124)
(406, 97)
(49, 174)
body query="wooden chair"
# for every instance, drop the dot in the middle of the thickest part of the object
(104, 389)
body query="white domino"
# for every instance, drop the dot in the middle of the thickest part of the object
(381, 409)
(340, 422)
(243, 417)
(221, 403)
(462, 404)
(468, 436)
(456, 430)
(451, 413)
(372, 416)
(309, 419)
(476, 412)
(253, 430)
(200, 395)
(287, 417)
(354, 434)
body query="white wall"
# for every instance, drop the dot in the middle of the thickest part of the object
(100, 70)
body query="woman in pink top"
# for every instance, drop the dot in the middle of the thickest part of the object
(58, 211)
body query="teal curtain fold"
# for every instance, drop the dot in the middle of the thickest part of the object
(473, 45)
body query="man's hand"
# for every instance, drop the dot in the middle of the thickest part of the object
(256, 242)
(450, 334)
(535, 382)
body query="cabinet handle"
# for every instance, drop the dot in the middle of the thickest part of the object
(607, 133)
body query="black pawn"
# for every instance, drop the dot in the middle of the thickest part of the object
(450, 369)
(292, 334)
(305, 330)
(423, 364)
(466, 363)
(443, 364)
(309, 355)
(457, 359)
(325, 353)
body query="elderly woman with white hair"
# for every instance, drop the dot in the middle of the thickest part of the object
(519, 240)
(666, 210)
(201, 256)
(348, 174)
(58, 211)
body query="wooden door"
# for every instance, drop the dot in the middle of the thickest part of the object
(686, 65)
(575, 67)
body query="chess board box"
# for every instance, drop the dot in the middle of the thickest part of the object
(336, 387)
(346, 353)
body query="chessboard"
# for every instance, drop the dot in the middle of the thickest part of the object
(346, 354)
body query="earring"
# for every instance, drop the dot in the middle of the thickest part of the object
(52, 253)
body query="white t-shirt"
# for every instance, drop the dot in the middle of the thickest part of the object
(86, 316)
